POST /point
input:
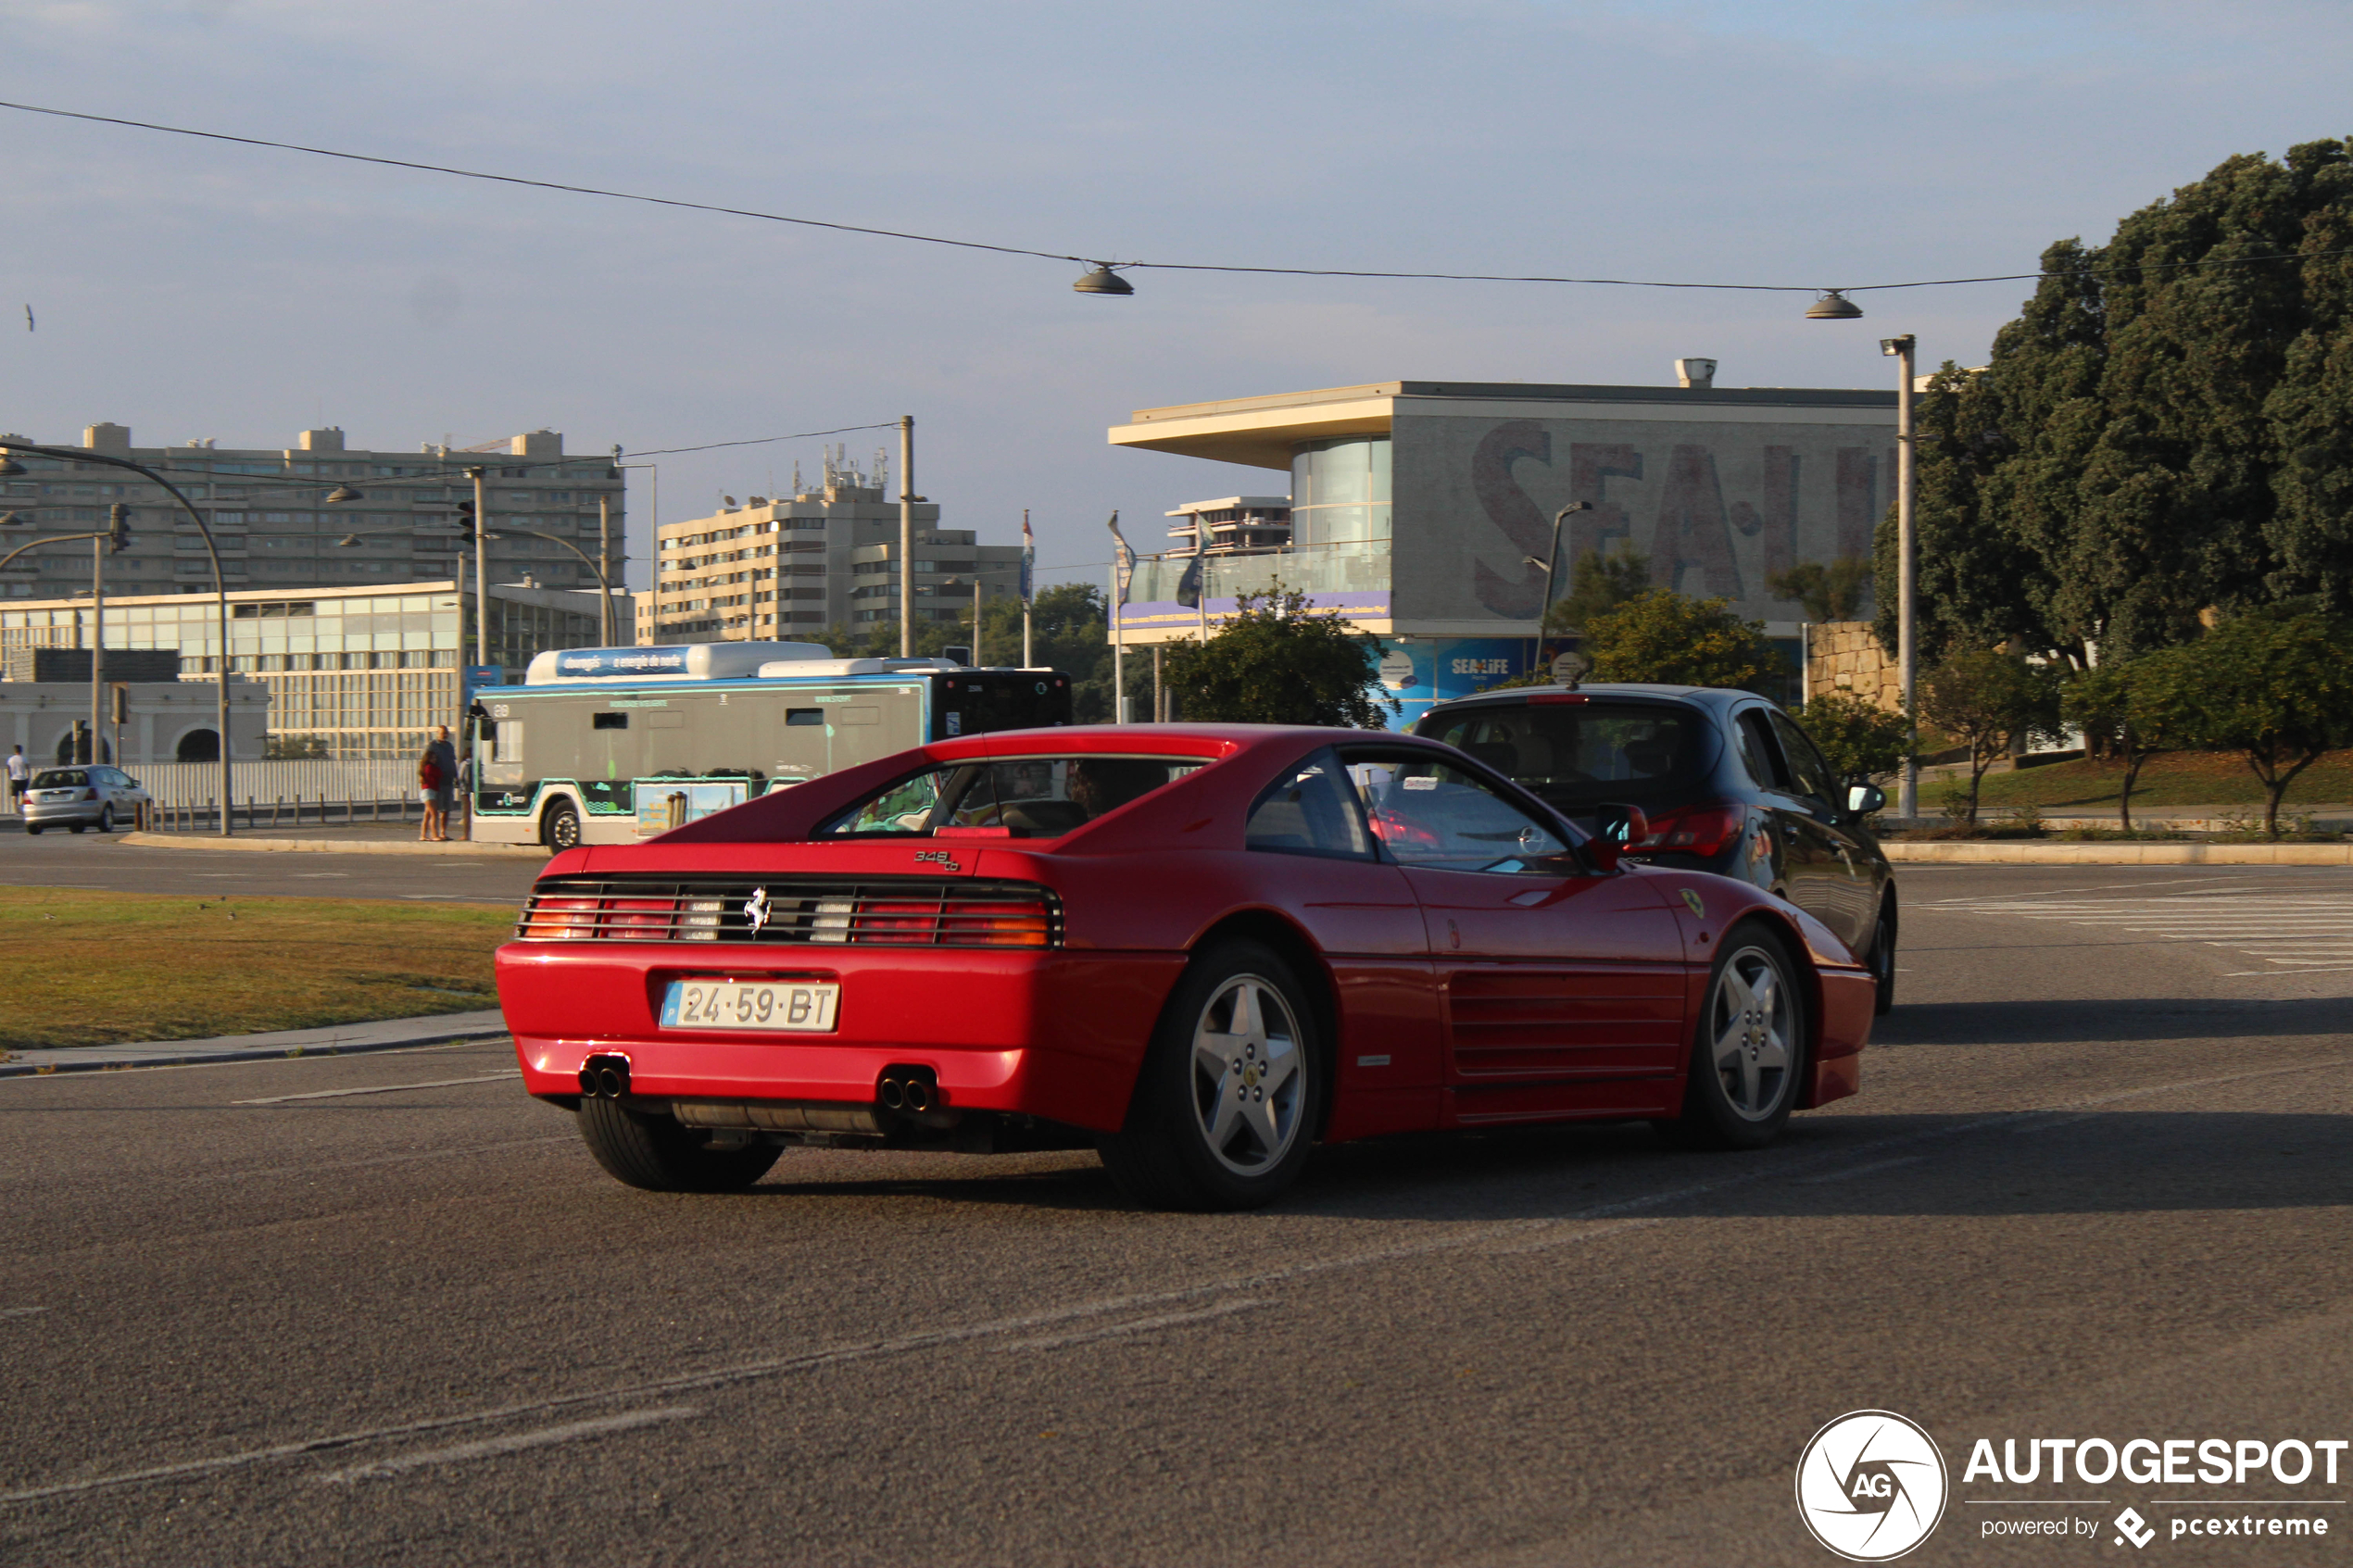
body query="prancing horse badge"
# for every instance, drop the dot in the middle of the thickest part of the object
(1692, 900)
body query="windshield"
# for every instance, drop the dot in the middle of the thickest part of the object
(61, 778)
(1578, 755)
(1010, 796)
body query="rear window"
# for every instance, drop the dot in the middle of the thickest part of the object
(1040, 797)
(60, 778)
(1576, 754)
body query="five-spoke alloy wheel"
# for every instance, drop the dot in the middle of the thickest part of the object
(1749, 1056)
(1224, 1110)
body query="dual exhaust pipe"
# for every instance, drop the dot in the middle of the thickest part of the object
(605, 1076)
(914, 1090)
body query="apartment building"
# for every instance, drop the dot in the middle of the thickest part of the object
(276, 528)
(777, 569)
(350, 673)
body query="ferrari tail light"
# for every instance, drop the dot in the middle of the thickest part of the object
(898, 922)
(553, 919)
(1027, 929)
(633, 917)
(1693, 830)
(895, 912)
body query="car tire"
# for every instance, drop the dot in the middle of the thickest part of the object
(1238, 1025)
(1884, 966)
(30, 829)
(106, 819)
(560, 828)
(76, 827)
(1748, 1060)
(656, 1153)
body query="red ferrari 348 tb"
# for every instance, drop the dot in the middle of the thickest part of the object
(1200, 948)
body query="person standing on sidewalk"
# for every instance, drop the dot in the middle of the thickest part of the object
(19, 772)
(441, 761)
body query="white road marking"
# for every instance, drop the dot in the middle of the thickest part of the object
(2292, 929)
(1139, 1325)
(488, 1448)
(21, 1311)
(940, 1338)
(1854, 1171)
(382, 1088)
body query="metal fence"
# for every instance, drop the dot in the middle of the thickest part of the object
(187, 794)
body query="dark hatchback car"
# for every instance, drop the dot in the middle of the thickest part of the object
(1727, 782)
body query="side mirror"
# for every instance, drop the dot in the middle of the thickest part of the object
(1617, 828)
(1862, 799)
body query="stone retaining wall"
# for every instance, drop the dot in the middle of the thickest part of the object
(1843, 656)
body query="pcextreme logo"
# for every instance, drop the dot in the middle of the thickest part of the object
(1871, 1486)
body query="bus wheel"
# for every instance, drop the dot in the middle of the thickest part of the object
(560, 828)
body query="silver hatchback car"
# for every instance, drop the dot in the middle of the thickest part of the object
(80, 797)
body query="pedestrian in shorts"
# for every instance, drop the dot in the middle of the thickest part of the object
(19, 771)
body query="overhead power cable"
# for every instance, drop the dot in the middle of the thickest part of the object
(576, 189)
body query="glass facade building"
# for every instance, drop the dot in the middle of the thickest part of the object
(354, 675)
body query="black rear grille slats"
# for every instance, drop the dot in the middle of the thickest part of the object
(816, 911)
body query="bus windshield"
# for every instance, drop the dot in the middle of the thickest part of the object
(1041, 796)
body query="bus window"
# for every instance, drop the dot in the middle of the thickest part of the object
(804, 715)
(609, 722)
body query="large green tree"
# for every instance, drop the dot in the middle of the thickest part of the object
(2167, 426)
(1277, 661)
(2274, 686)
(1668, 638)
(1990, 702)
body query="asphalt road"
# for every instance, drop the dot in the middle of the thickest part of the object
(106, 861)
(2095, 1186)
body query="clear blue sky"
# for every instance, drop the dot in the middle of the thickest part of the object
(191, 289)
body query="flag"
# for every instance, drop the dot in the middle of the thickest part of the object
(1028, 559)
(1123, 558)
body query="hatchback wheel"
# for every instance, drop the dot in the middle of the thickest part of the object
(1750, 1052)
(106, 819)
(1223, 1108)
(76, 827)
(1884, 966)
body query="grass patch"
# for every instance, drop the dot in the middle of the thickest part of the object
(87, 968)
(2189, 778)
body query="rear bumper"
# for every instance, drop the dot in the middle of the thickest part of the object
(1053, 1033)
(62, 813)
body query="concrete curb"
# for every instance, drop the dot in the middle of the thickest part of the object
(348, 1039)
(335, 845)
(2031, 852)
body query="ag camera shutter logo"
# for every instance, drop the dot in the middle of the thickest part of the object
(1871, 1486)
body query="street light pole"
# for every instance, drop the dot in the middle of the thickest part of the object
(906, 535)
(220, 583)
(482, 580)
(604, 559)
(97, 641)
(1552, 576)
(1902, 348)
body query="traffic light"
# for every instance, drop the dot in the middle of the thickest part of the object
(118, 529)
(466, 516)
(122, 703)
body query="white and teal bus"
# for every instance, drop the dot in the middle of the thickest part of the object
(605, 746)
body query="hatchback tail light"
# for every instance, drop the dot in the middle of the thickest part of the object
(1693, 830)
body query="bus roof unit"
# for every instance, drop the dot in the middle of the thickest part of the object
(680, 661)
